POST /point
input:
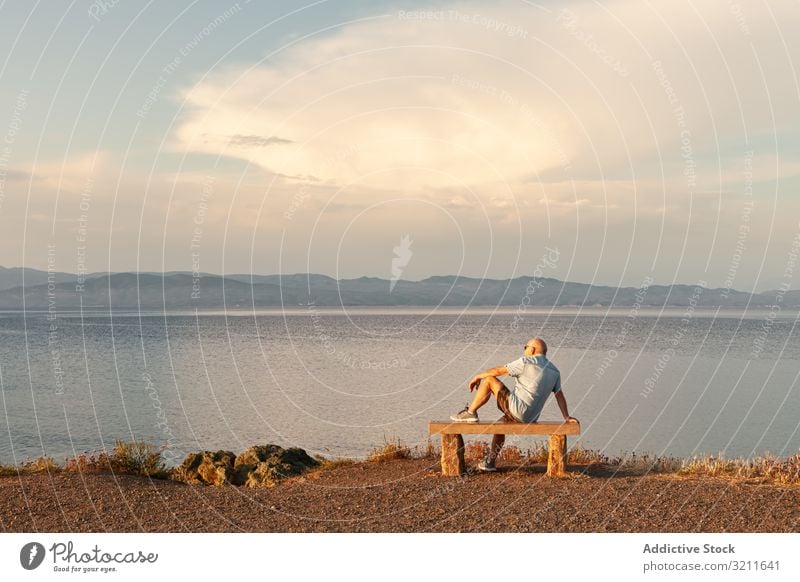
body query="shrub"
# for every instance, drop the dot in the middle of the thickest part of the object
(511, 454)
(43, 464)
(475, 451)
(127, 458)
(581, 456)
(537, 454)
(138, 458)
(391, 450)
(8, 470)
(430, 451)
(765, 469)
(88, 463)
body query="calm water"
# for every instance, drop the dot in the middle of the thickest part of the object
(340, 383)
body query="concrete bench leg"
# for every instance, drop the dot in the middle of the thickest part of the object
(557, 456)
(453, 455)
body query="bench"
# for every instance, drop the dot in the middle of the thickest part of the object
(453, 442)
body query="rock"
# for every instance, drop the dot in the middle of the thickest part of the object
(264, 466)
(215, 468)
(255, 455)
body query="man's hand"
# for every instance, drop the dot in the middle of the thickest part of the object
(474, 383)
(570, 420)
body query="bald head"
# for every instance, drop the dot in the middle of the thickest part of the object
(536, 346)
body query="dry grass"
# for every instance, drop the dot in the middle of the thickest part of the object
(580, 456)
(643, 464)
(395, 449)
(89, 463)
(430, 451)
(475, 451)
(138, 458)
(765, 469)
(512, 454)
(40, 465)
(127, 458)
(768, 469)
(43, 464)
(144, 459)
(536, 454)
(391, 450)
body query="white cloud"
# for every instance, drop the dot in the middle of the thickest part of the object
(447, 102)
(462, 128)
(74, 173)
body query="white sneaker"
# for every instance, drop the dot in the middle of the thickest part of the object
(487, 466)
(465, 416)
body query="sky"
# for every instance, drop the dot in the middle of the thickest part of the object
(612, 143)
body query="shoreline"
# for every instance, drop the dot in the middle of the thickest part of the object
(401, 495)
(397, 489)
(295, 310)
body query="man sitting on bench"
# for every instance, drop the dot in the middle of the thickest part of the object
(536, 377)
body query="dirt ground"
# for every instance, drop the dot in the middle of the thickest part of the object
(400, 496)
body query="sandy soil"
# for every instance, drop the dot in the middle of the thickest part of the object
(400, 496)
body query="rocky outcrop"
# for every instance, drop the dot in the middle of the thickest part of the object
(259, 466)
(207, 467)
(264, 466)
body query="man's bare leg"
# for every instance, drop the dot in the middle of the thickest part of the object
(497, 443)
(486, 388)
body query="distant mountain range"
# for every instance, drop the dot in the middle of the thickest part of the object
(182, 290)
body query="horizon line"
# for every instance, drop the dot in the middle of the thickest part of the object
(244, 274)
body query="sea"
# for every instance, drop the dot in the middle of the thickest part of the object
(342, 382)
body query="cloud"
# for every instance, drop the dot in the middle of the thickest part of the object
(257, 141)
(377, 105)
(451, 99)
(16, 175)
(610, 126)
(74, 173)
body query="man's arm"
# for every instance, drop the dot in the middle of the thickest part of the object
(492, 372)
(562, 404)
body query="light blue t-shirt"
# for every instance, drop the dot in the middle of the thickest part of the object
(536, 378)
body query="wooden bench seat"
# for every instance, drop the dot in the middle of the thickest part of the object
(453, 442)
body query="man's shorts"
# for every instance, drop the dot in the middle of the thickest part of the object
(502, 404)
